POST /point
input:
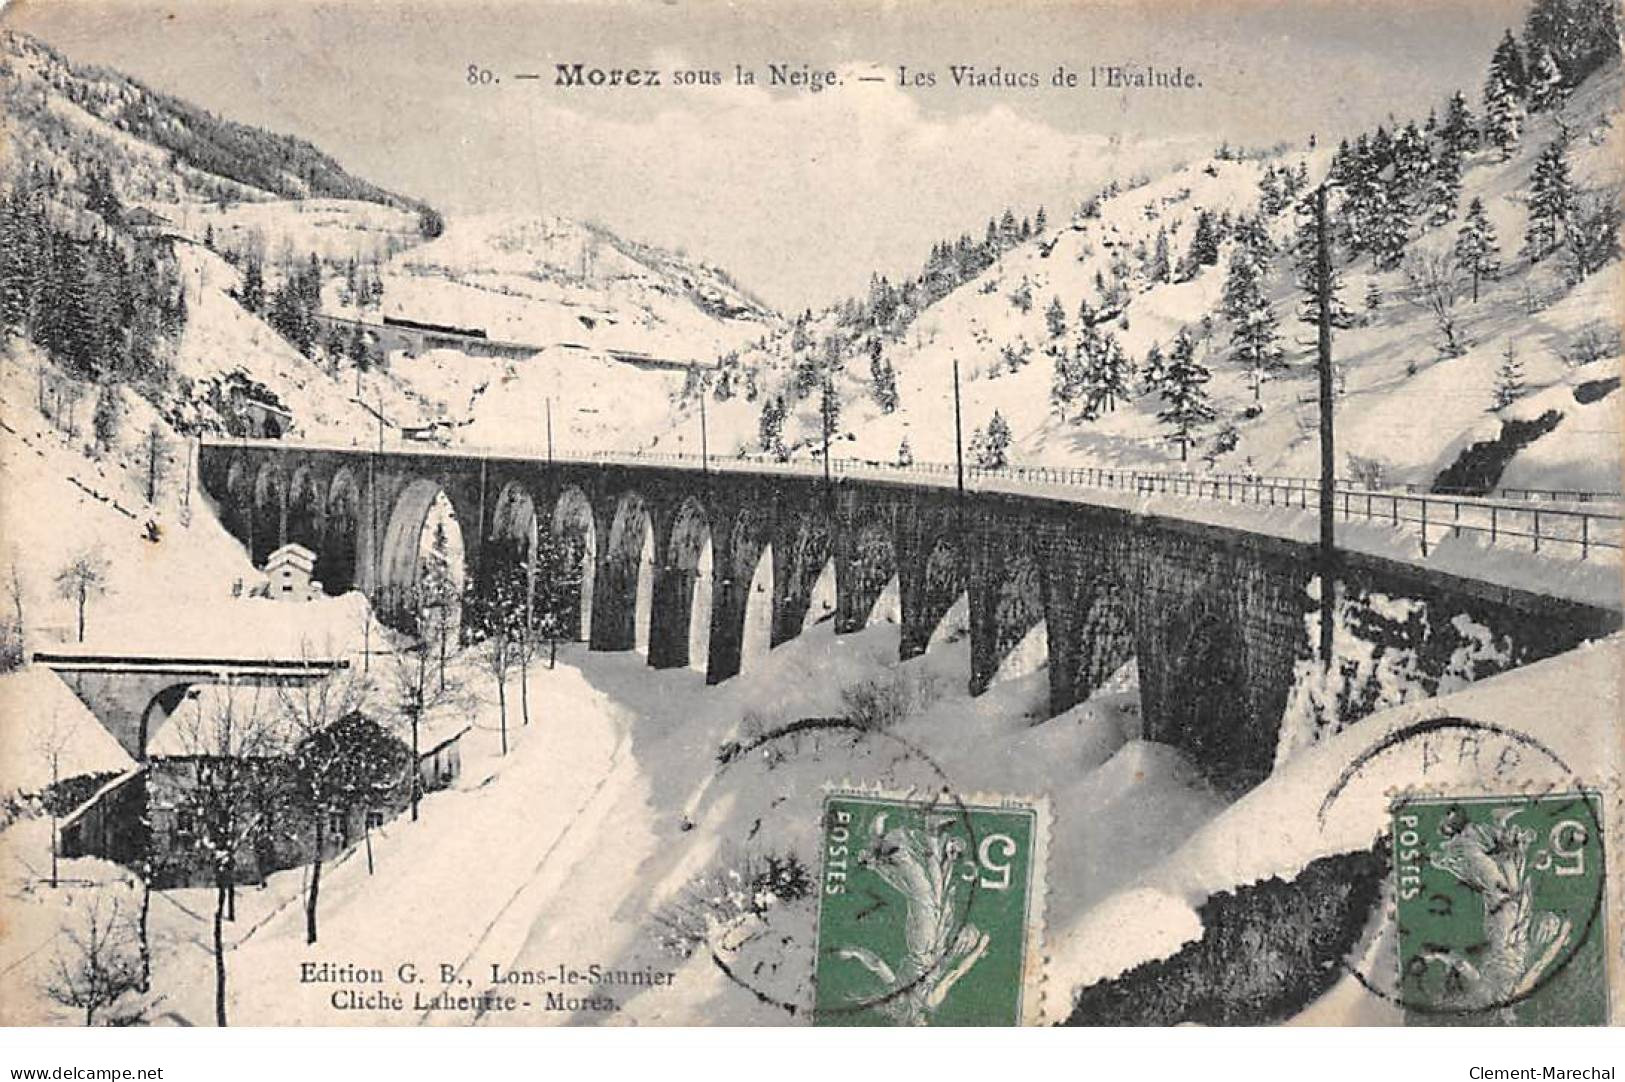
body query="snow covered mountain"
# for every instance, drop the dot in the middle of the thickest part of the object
(1529, 372)
(145, 246)
(117, 155)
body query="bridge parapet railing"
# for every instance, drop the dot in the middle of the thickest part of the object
(1529, 524)
(1534, 523)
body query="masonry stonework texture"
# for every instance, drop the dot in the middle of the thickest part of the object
(1214, 616)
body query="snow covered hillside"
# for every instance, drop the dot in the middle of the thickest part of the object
(1407, 406)
(78, 119)
(240, 215)
(60, 503)
(552, 281)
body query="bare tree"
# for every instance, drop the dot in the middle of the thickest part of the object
(53, 732)
(228, 737)
(495, 617)
(341, 759)
(95, 964)
(1435, 280)
(419, 691)
(84, 577)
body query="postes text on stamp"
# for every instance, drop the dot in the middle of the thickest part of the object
(930, 911)
(1498, 909)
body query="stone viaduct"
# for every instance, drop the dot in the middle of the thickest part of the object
(1215, 616)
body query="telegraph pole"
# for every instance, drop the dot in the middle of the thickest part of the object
(823, 415)
(705, 450)
(1328, 464)
(959, 436)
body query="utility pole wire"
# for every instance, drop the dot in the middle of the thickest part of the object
(1328, 465)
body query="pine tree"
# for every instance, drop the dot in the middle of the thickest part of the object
(1183, 390)
(1508, 378)
(1108, 374)
(1355, 176)
(1009, 230)
(905, 453)
(1444, 187)
(107, 420)
(1545, 87)
(1040, 222)
(1272, 198)
(1204, 249)
(1373, 295)
(19, 263)
(1503, 97)
(1456, 132)
(1591, 238)
(1581, 34)
(1055, 318)
(1391, 230)
(1069, 381)
(1153, 370)
(1304, 250)
(1551, 199)
(1254, 335)
(1160, 269)
(286, 314)
(770, 429)
(1507, 65)
(252, 294)
(357, 352)
(72, 324)
(991, 448)
(829, 409)
(1477, 250)
(1411, 162)
(883, 378)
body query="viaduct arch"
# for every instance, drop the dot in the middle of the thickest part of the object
(1215, 616)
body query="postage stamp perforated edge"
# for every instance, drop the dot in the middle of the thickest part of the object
(1609, 793)
(1034, 979)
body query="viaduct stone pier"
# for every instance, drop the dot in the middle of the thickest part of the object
(1215, 616)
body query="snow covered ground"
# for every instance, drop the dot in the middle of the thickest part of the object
(60, 502)
(1315, 806)
(1401, 408)
(613, 800)
(613, 807)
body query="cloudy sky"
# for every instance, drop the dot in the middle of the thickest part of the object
(801, 195)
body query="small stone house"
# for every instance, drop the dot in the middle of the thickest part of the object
(288, 573)
(152, 813)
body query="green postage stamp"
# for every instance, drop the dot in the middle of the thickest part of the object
(1501, 910)
(930, 911)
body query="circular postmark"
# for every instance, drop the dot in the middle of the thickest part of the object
(1494, 890)
(926, 832)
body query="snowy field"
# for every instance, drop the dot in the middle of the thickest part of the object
(590, 842)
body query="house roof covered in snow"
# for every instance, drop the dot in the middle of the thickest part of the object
(291, 553)
(40, 716)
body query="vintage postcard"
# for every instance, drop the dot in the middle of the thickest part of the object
(1057, 512)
